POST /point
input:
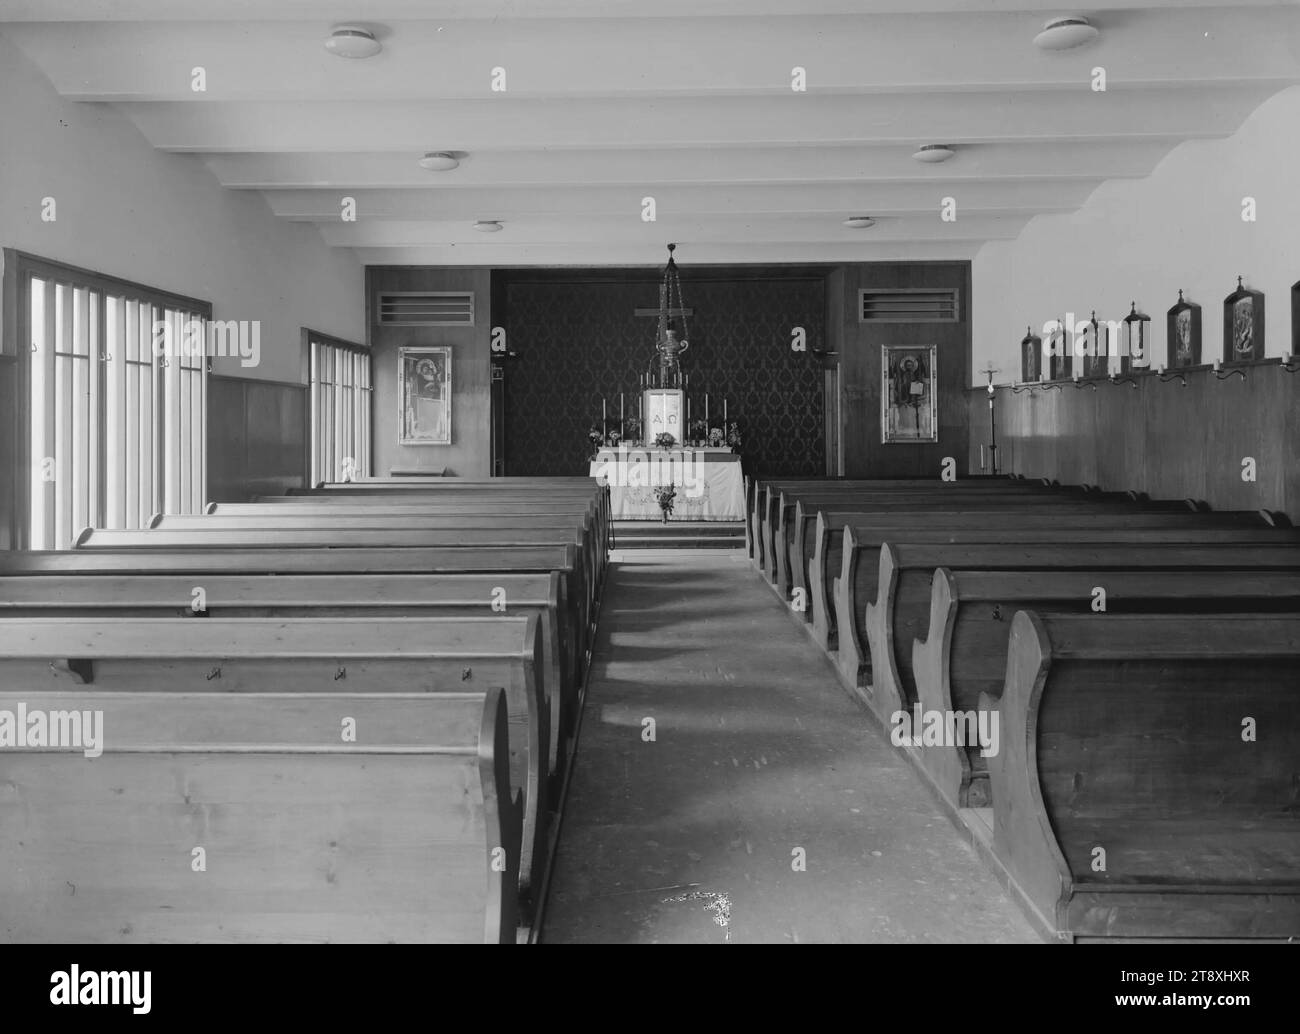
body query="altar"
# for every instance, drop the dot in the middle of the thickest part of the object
(708, 482)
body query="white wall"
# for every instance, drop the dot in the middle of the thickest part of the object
(1143, 240)
(163, 220)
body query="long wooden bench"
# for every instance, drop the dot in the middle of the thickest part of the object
(899, 608)
(964, 652)
(483, 551)
(313, 655)
(274, 596)
(779, 496)
(823, 547)
(794, 534)
(410, 834)
(466, 491)
(1145, 785)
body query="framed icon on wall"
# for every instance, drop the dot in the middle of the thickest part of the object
(908, 412)
(1031, 357)
(425, 390)
(1183, 330)
(1060, 353)
(1243, 325)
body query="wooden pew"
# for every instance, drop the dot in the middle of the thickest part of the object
(333, 563)
(477, 541)
(964, 653)
(792, 534)
(409, 834)
(271, 596)
(771, 502)
(1135, 739)
(368, 504)
(899, 609)
(313, 655)
(542, 490)
(823, 552)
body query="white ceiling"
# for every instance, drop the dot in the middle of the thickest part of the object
(687, 101)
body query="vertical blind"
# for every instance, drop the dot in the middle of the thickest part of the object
(341, 391)
(117, 424)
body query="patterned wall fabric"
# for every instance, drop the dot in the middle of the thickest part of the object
(578, 339)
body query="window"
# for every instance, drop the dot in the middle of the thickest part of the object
(117, 385)
(341, 390)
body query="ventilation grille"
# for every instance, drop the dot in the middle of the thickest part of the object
(907, 305)
(426, 309)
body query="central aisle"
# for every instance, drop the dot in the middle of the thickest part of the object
(757, 752)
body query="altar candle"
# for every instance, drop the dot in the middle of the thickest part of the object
(706, 408)
(724, 410)
(602, 407)
(620, 406)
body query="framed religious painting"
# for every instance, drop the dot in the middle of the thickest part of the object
(1031, 357)
(1183, 327)
(1243, 325)
(908, 411)
(1060, 357)
(1096, 348)
(424, 374)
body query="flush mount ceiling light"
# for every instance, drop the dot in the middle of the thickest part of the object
(933, 153)
(440, 161)
(1066, 32)
(352, 41)
(859, 222)
(488, 225)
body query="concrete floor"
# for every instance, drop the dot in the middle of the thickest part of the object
(758, 756)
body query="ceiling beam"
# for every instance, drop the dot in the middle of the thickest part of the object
(509, 124)
(653, 57)
(862, 164)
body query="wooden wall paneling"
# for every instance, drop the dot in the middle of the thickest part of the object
(864, 453)
(470, 451)
(276, 442)
(1169, 441)
(1244, 418)
(257, 438)
(226, 436)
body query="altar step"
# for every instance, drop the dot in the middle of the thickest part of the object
(713, 535)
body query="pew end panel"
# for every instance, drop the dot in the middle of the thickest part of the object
(948, 767)
(1023, 839)
(420, 842)
(1128, 800)
(233, 657)
(850, 655)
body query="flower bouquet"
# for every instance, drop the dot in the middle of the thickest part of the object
(716, 437)
(596, 439)
(733, 437)
(664, 495)
(665, 440)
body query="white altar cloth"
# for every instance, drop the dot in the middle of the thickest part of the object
(709, 483)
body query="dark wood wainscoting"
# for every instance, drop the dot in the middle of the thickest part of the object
(1170, 441)
(257, 438)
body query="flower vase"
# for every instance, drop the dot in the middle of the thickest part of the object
(663, 516)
